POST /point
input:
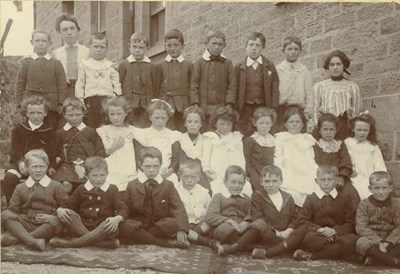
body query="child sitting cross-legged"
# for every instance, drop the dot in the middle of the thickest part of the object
(94, 211)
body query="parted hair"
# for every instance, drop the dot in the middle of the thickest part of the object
(271, 170)
(36, 154)
(234, 170)
(73, 102)
(150, 152)
(366, 118)
(327, 169)
(138, 37)
(254, 35)
(95, 162)
(264, 112)
(175, 34)
(380, 175)
(66, 17)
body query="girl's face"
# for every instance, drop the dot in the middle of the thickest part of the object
(336, 67)
(361, 130)
(159, 119)
(117, 115)
(263, 125)
(193, 123)
(294, 124)
(224, 126)
(327, 130)
(291, 52)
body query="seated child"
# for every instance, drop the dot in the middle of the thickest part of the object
(229, 212)
(28, 135)
(94, 211)
(29, 218)
(274, 214)
(329, 216)
(75, 142)
(157, 213)
(378, 223)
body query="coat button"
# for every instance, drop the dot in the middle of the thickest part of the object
(90, 197)
(90, 208)
(98, 198)
(97, 210)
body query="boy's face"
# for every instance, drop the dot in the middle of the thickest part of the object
(263, 125)
(97, 177)
(69, 32)
(327, 130)
(193, 123)
(215, 46)
(35, 113)
(271, 183)
(159, 119)
(174, 47)
(326, 181)
(150, 167)
(117, 115)
(235, 183)
(73, 116)
(380, 189)
(361, 131)
(98, 49)
(37, 169)
(291, 52)
(40, 43)
(138, 49)
(189, 178)
(224, 126)
(254, 48)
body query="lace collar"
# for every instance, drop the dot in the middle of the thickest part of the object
(264, 141)
(329, 146)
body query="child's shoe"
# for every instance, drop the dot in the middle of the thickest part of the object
(58, 242)
(7, 239)
(213, 244)
(369, 261)
(301, 255)
(176, 244)
(258, 253)
(227, 249)
(39, 245)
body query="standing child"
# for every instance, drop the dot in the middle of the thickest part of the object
(94, 211)
(259, 148)
(40, 74)
(257, 82)
(29, 218)
(97, 80)
(378, 223)
(294, 154)
(75, 142)
(174, 74)
(117, 139)
(33, 134)
(157, 213)
(364, 152)
(137, 76)
(213, 79)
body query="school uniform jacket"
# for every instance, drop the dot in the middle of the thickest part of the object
(271, 83)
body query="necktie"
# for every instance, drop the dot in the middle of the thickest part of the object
(148, 205)
(255, 65)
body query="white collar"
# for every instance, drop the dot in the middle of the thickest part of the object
(88, 186)
(68, 126)
(250, 62)
(143, 178)
(44, 182)
(75, 44)
(264, 141)
(227, 194)
(180, 58)
(132, 59)
(206, 55)
(329, 146)
(321, 194)
(35, 56)
(296, 65)
(33, 127)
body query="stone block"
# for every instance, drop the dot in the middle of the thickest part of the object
(314, 29)
(199, 20)
(327, 10)
(390, 25)
(394, 44)
(361, 34)
(306, 16)
(382, 65)
(371, 50)
(283, 25)
(346, 6)
(342, 21)
(386, 111)
(321, 45)
(390, 83)
(368, 86)
(374, 10)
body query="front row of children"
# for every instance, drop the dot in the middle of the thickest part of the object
(153, 211)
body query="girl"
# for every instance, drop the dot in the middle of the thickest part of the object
(192, 144)
(294, 154)
(260, 147)
(364, 152)
(226, 149)
(117, 139)
(337, 95)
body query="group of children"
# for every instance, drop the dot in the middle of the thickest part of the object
(252, 189)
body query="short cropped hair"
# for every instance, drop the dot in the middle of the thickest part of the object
(36, 154)
(234, 170)
(117, 101)
(341, 55)
(95, 162)
(138, 37)
(215, 33)
(150, 152)
(271, 170)
(264, 112)
(98, 36)
(192, 165)
(34, 100)
(73, 102)
(293, 110)
(380, 175)
(224, 113)
(327, 169)
(175, 34)
(193, 109)
(292, 39)
(66, 17)
(158, 104)
(40, 31)
(254, 35)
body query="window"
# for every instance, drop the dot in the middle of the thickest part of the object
(157, 22)
(98, 16)
(67, 6)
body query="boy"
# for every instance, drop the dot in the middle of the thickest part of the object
(72, 52)
(196, 199)
(174, 74)
(378, 223)
(29, 218)
(157, 213)
(97, 80)
(213, 78)
(40, 74)
(28, 135)
(257, 82)
(229, 212)
(75, 142)
(137, 75)
(274, 212)
(93, 211)
(329, 217)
